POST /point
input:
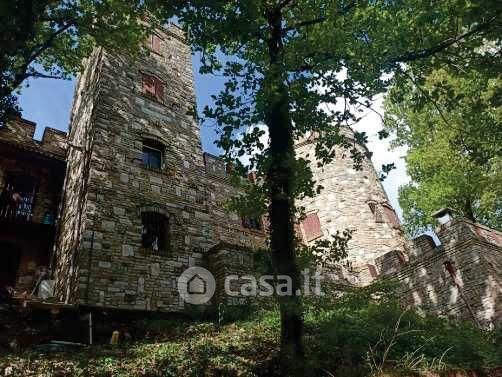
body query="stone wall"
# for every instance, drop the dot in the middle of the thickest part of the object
(346, 203)
(462, 278)
(108, 187)
(74, 210)
(223, 260)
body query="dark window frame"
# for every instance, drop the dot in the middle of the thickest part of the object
(252, 223)
(155, 232)
(151, 148)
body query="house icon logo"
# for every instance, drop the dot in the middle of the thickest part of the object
(196, 285)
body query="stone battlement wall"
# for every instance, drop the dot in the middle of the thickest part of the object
(462, 278)
(19, 132)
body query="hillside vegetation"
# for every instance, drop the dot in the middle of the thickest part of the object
(355, 335)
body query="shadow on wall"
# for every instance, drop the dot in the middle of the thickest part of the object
(461, 279)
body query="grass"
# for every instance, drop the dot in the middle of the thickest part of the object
(353, 336)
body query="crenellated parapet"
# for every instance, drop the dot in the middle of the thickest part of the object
(461, 278)
(20, 133)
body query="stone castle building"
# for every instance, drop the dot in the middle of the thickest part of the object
(141, 202)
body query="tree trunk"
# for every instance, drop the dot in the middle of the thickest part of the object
(280, 179)
(468, 211)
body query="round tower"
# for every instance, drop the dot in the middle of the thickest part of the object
(351, 199)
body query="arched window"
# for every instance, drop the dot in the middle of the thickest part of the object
(155, 232)
(152, 154)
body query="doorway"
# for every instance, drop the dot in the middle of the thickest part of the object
(9, 264)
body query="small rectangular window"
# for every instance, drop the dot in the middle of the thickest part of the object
(311, 227)
(391, 216)
(251, 223)
(152, 157)
(155, 43)
(153, 87)
(155, 231)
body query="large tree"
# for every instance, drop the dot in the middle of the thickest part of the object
(50, 38)
(450, 120)
(286, 58)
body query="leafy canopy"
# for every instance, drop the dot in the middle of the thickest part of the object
(50, 39)
(450, 121)
(334, 57)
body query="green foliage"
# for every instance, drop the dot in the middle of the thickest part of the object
(450, 121)
(320, 39)
(47, 38)
(345, 337)
(363, 324)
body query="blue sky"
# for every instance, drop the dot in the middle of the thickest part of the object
(48, 103)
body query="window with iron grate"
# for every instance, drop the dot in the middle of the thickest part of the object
(155, 233)
(18, 197)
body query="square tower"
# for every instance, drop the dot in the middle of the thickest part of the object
(139, 205)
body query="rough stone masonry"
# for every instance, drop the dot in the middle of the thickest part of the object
(141, 202)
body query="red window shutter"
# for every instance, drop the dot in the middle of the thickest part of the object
(391, 216)
(159, 89)
(148, 85)
(312, 226)
(401, 257)
(155, 43)
(373, 271)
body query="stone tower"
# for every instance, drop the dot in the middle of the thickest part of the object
(351, 199)
(141, 201)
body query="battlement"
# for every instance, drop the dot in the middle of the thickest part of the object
(459, 278)
(215, 165)
(20, 133)
(175, 31)
(460, 229)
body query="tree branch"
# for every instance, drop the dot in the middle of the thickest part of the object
(44, 46)
(416, 55)
(22, 73)
(319, 19)
(43, 75)
(304, 23)
(426, 52)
